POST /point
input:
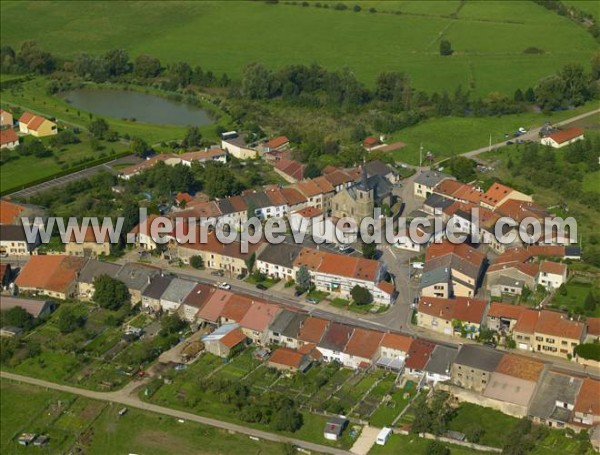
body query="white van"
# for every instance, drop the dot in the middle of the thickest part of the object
(383, 436)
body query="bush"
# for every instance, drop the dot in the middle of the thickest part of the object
(197, 262)
(533, 50)
(360, 295)
(357, 9)
(445, 48)
(340, 6)
(589, 351)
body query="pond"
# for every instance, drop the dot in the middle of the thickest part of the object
(145, 108)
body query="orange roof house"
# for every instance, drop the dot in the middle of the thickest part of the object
(587, 405)
(564, 137)
(8, 139)
(36, 125)
(10, 212)
(520, 367)
(498, 193)
(51, 275)
(277, 143)
(312, 330)
(363, 345)
(289, 360)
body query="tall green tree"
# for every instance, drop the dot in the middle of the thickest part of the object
(303, 278)
(110, 293)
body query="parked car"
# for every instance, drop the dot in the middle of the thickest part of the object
(241, 276)
(261, 286)
(298, 293)
(312, 301)
(509, 142)
(344, 248)
(224, 285)
(217, 273)
(491, 344)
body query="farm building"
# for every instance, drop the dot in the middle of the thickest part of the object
(563, 138)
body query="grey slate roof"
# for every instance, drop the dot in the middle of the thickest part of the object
(157, 286)
(225, 206)
(12, 232)
(378, 167)
(94, 268)
(504, 280)
(479, 357)
(431, 178)
(178, 290)
(292, 329)
(437, 201)
(257, 200)
(552, 388)
(282, 320)
(438, 275)
(282, 254)
(441, 360)
(136, 276)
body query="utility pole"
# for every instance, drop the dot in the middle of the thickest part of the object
(490, 148)
(421, 155)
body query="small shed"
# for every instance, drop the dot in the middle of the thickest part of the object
(334, 428)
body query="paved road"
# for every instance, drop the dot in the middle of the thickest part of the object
(531, 135)
(85, 173)
(126, 399)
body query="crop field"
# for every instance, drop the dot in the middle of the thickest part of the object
(95, 427)
(397, 36)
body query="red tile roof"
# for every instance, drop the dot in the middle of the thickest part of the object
(465, 309)
(8, 136)
(293, 168)
(587, 401)
(183, 197)
(312, 329)
(309, 212)
(419, 354)
(554, 268)
(324, 184)
(236, 307)
(199, 296)
(51, 273)
(593, 326)
(566, 135)
(363, 343)
(203, 155)
(496, 193)
(9, 211)
(520, 367)
(259, 316)
(26, 117)
(505, 310)
(211, 311)
(370, 142)
(527, 321)
(287, 357)
(396, 341)
(386, 287)
(557, 324)
(277, 142)
(233, 338)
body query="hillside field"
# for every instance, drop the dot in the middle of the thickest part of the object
(488, 37)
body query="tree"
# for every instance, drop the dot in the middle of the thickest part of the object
(250, 262)
(356, 9)
(146, 66)
(170, 324)
(550, 92)
(462, 168)
(193, 138)
(562, 290)
(98, 128)
(197, 262)
(70, 320)
(311, 171)
(369, 250)
(588, 351)
(445, 47)
(474, 432)
(519, 97)
(140, 147)
(529, 95)
(437, 448)
(117, 62)
(360, 295)
(257, 82)
(589, 303)
(303, 278)
(16, 317)
(110, 293)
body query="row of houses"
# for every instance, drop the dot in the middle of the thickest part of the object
(512, 383)
(28, 123)
(524, 387)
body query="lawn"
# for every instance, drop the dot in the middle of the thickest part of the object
(389, 410)
(35, 409)
(448, 136)
(577, 292)
(495, 424)
(267, 282)
(317, 295)
(21, 170)
(484, 37)
(413, 445)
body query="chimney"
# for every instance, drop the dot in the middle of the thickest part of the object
(148, 279)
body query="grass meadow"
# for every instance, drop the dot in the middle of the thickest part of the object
(95, 427)
(488, 37)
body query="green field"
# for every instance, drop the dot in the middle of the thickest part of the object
(488, 37)
(448, 136)
(577, 292)
(96, 428)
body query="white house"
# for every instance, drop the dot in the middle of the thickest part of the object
(552, 275)
(235, 144)
(8, 139)
(213, 154)
(563, 138)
